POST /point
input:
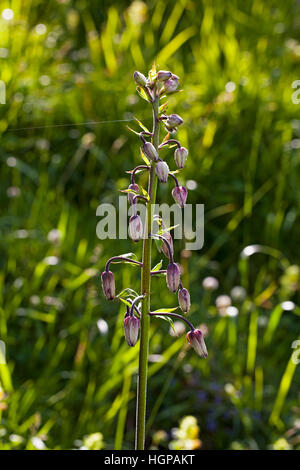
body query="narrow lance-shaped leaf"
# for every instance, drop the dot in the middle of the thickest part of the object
(168, 229)
(127, 292)
(165, 310)
(163, 108)
(132, 130)
(142, 93)
(142, 125)
(126, 255)
(158, 266)
(128, 191)
(168, 319)
(145, 194)
(125, 302)
(144, 158)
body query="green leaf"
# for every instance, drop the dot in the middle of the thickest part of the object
(168, 319)
(165, 310)
(125, 302)
(167, 137)
(168, 229)
(145, 194)
(152, 73)
(128, 191)
(163, 108)
(136, 172)
(126, 255)
(135, 132)
(142, 125)
(127, 292)
(129, 255)
(158, 266)
(144, 158)
(157, 219)
(142, 93)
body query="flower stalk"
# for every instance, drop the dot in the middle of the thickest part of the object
(145, 289)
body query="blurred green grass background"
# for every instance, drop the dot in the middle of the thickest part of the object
(69, 380)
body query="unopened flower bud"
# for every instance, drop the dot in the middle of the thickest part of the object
(173, 121)
(173, 277)
(171, 84)
(179, 194)
(195, 338)
(135, 228)
(164, 247)
(150, 151)
(184, 299)
(163, 75)
(131, 329)
(140, 79)
(162, 171)
(108, 284)
(133, 187)
(180, 156)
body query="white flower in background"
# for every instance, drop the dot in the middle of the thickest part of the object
(7, 14)
(238, 293)
(41, 29)
(210, 283)
(232, 311)
(54, 236)
(102, 326)
(222, 304)
(51, 260)
(38, 443)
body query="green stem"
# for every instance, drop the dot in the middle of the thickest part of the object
(145, 289)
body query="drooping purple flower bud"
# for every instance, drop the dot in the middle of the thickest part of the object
(173, 121)
(135, 228)
(179, 194)
(180, 156)
(164, 247)
(173, 277)
(171, 84)
(150, 151)
(135, 188)
(131, 329)
(140, 79)
(163, 75)
(162, 171)
(108, 285)
(184, 299)
(195, 338)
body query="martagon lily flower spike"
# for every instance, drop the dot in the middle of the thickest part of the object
(153, 88)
